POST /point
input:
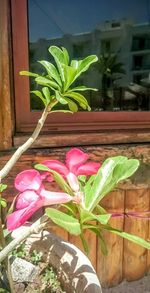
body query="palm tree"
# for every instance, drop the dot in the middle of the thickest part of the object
(110, 71)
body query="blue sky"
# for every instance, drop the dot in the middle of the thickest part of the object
(53, 18)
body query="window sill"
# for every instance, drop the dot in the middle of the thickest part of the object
(86, 138)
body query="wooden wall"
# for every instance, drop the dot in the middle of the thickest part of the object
(6, 121)
(125, 260)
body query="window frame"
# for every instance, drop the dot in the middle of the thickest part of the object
(81, 121)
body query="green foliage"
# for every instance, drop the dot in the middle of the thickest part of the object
(3, 290)
(2, 187)
(19, 251)
(51, 281)
(63, 220)
(3, 202)
(89, 214)
(35, 257)
(58, 79)
(109, 175)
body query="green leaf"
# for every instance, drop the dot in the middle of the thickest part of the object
(66, 55)
(75, 64)
(58, 54)
(47, 95)
(60, 98)
(67, 222)
(69, 74)
(88, 216)
(47, 82)
(41, 167)
(2, 187)
(52, 71)
(3, 202)
(28, 73)
(78, 98)
(85, 64)
(136, 239)
(58, 178)
(59, 58)
(39, 95)
(82, 88)
(72, 105)
(111, 172)
(84, 243)
(97, 231)
(123, 171)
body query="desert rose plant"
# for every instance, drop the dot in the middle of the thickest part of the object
(83, 184)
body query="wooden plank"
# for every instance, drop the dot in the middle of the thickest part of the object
(109, 268)
(135, 257)
(92, 243)
(6, 125)
(82, 138)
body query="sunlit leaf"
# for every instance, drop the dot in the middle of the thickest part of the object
(82, 88)
(52, 71)
(28, 73)
(47, 95)
(110, 173)
(136, 239)
(60, 98)
(67, 222)
(39, 95)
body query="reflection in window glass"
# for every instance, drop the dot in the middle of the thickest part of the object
(118, 32)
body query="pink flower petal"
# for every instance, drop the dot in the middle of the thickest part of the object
(51, 198)
(26, 198)
(28, 179)
(73, 182)
(18, 218)
(88, 168)
(56, 166)
(75, 158)
(47, 176)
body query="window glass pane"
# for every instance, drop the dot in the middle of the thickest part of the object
(118, 32)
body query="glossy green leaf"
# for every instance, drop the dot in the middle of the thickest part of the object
(60, 98)
(28, 73)
(107, 178)
(3, 202)
(52, 71)
(123, 171)
(72, 105)
(67, 222)
(88, 216)
(82, 88)
(84, 243)
(78, 98)
(85, 64)
(39, 95)
(47, 82)
(2, 187)
(74, 64)
(59, 58)
(96, 229)
(69, 75)
(47, 95)
(66, 55)
(136, 239)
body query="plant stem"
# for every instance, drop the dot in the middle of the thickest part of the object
(34, 228)
(6, 261)
(6, 169)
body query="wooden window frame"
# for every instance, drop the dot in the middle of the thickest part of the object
(60, 123)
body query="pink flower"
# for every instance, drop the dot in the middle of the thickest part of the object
(76, 164)
(32, 197)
